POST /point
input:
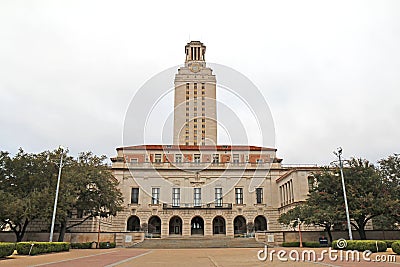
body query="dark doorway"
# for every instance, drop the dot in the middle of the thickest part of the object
(133, 223)
(219, 226)
(155, 226)
(260, 223)
(175, 226)
(239, 225)
(197, 226)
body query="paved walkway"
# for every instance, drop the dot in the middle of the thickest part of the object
(181, 257)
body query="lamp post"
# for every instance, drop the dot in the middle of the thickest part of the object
(338, 153)
(56, 197)
(300, 235)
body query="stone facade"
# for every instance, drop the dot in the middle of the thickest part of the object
(195, 114)
(196, 187)
(220, 189)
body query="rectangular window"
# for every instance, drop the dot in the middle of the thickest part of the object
(215, 158)
(155, 193)
(197, 197)
(187, 85)
(235, 158)
(197, 158)
(239, 195)
(195, 85)
(218, 197)
(259, 195)
(176, 197)
(157, 158)
(135, 195)
(259, 160)
(134, 160)
(203, 86)
(178, 158)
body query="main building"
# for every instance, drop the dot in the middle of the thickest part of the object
(196, 187)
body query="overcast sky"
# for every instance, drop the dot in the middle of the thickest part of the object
(329, 70)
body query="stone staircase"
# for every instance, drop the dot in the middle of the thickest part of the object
(199, 242)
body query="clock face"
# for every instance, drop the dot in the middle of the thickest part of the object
(195, 67)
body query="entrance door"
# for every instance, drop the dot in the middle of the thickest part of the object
(218, 225)
(239, 225)
(197, 226)
(175, 226)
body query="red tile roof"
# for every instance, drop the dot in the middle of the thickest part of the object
(197, 148)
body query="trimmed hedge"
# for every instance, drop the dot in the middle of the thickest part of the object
(6, 249)
(305, 244)
(313, 244)
(389, 242)
(88, 245)
(396, 247)
(107, 245)
(291, 244)
(85, 245)
(362, 245)
(24, 248)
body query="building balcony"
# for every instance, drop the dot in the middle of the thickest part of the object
(222, 206)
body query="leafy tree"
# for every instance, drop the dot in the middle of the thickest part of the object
(87, 186)
(389, 170)
(367, 196)
(28, 182)
(24, 193)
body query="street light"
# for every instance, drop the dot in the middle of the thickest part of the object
(300, 235)
(56, 197)
(338, 153)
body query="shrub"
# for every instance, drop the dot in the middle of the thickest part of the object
(312, 244)
(389, 243)
(291, 244)
(34, 248)
(362, 245)
(85, 245)
(107, 245)
(396, 247)
(6, 249)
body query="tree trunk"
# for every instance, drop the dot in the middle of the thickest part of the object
(362, 233)
(63, 229)
(20, 231)
(361, 228)
(328, 230)
(19, 236)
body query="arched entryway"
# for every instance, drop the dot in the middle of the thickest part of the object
(239, 225)
(133, 223)
(219, 226)
(260, 223)
(155, 225)
(197, 226)
(175, 226)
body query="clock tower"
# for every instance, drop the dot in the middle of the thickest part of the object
(195, 114)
